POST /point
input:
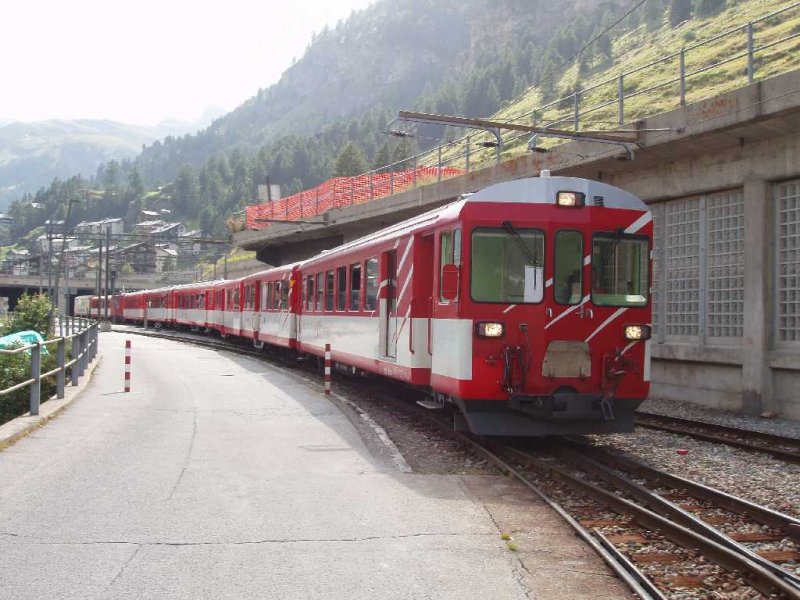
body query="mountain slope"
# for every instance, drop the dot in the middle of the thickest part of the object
(441, 54)
(33, 154)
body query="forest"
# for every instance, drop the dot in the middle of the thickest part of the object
(326, 116)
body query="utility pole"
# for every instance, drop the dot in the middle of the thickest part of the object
(108, 270)
(99, 276)
(50, 260)
(60, 262)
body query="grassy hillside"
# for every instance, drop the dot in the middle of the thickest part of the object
(638, 48)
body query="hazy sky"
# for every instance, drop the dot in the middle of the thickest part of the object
(148, 60)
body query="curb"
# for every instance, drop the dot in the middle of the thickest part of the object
(16, 429)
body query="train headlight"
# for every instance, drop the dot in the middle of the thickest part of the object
(573, 199)
(637, 332)
(489, 329)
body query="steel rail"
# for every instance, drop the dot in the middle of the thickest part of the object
(628, 564)
(761, 514)
(723, 433)
(674, 512)
(756, 575)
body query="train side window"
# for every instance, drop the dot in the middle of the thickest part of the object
(341, 287)
(568, 276)
(355, 286)
(457, 247)
(310, 292)
(320, 291)
(276, 295)
(284, 287)
(266, 297)
(446, 255)
(371, 295)
(329, 290)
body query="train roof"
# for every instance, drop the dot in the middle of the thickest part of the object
(398, 230)
(543, 190)
(188, 287)
(529, 190)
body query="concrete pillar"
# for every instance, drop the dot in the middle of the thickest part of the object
(756, 388)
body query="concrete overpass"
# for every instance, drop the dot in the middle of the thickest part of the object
(14, 286)
(724, 186)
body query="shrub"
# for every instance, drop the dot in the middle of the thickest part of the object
(32, 312)
(16, 368)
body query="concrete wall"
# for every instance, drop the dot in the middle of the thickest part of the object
(755, 372)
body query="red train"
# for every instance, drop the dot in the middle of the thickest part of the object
(523, 308)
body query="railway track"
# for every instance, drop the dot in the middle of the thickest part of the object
(656, 540)
(786, 448)
(678, 539)
(665, 536)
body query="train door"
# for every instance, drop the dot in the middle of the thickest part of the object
(423, 295)
(390, 305)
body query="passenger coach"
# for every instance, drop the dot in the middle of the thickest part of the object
(522, 308)
(524, 305)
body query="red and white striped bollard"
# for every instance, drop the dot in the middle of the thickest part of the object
(127, 365)
(327, 369)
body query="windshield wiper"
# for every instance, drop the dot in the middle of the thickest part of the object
(525, 250)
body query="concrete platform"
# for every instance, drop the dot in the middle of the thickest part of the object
(221, 477)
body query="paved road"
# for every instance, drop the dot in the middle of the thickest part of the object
(220, 477)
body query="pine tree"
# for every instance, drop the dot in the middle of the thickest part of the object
(679, 11)
(186, 193)
(402, 151)
(382, 158)
(653, 14)
(350, 162)
(708, 8)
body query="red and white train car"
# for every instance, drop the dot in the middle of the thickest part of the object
(229, 316)
(129, 307)
(525, 305)
(369, 299)
(93, 307)
(191, 304)
(270, 306)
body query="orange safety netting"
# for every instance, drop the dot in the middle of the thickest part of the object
(344, 191)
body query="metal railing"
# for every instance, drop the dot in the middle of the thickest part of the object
(82, 335)
(601, 105)
(575, 110)
(619, 82)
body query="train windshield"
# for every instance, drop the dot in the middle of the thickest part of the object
(507, 265)
(619, 270)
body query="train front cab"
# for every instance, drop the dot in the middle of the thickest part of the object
(541, 320)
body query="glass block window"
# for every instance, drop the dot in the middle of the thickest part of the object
(787, 261)
(682, 267)
(725, 264)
